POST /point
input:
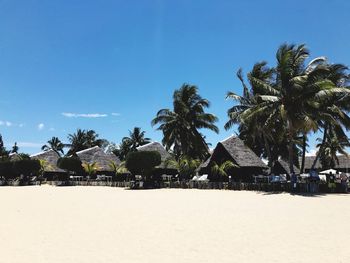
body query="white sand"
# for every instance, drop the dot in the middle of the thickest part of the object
(102, 224)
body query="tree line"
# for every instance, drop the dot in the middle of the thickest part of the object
(279, 108)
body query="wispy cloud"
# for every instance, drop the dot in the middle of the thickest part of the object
(6, 123)
(41, 126)
(84, 115)
(115, 114)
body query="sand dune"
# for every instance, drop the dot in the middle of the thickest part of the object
(102, 224)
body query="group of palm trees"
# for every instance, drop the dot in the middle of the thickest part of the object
(279, 108)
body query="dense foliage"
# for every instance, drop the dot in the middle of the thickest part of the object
(135, 139)
(180, 126)
(287, 102)
(70, 164)
(142, 163)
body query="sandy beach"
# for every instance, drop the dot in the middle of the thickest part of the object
(102, 224)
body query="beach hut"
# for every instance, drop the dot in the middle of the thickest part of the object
(234, 149)
(50, 168)
(343, 166)
(282, 167)
(162, 169)
(102, 160)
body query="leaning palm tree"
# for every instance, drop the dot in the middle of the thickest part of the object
(180, 126)
(54, 144)
(221, 171)
(330, 149)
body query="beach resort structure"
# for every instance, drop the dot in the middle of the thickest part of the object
(234, 149)
(282, 167)
(50, 167)
(164, 154)
(343, 166)
(103, 160)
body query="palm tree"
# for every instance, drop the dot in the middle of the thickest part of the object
(82, 139)
(331, 147)
(221, 171)
(293, 97)
(137, 138)
(186, 166)
(54, 144)
(333, 113)
(181, 125)
(15, 148)
(90, 168)
(124, 148)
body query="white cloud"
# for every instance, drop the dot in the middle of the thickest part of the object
(52, 129)
(6, 123)
(115, 114)
(84, 115)
(41, 126)
(21, 125)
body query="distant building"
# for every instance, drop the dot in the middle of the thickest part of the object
(343, 166)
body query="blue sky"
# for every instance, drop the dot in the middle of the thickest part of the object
(114, 64)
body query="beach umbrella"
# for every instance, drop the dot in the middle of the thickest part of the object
(329, 171)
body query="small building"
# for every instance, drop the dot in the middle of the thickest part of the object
(164, 154)
(233, 149)
(282, 167)
(343, 166)
(51, 169)
(103, 160)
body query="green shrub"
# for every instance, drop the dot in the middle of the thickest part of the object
(27, 167)
(7, 170)
(70, 164)
(142, 163)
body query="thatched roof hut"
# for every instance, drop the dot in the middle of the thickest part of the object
(164, 154)
(102, 159)
(235, 150)
(51, 157)
(343, 166)
(282, 167)
(14, 157)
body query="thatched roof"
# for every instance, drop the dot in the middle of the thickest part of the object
(96, 154)
(344, 162)
(240, 153)
(14, 157)
(51, 157)
(157, 147)
(282, 166)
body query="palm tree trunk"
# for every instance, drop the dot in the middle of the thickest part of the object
(325, 132)
(290, 147)
(303, 156)
(268, 152)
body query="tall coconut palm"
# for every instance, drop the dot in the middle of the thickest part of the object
(180, 126)
(294, 96)
(54, 144)
(137, 138)
(82, 139)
